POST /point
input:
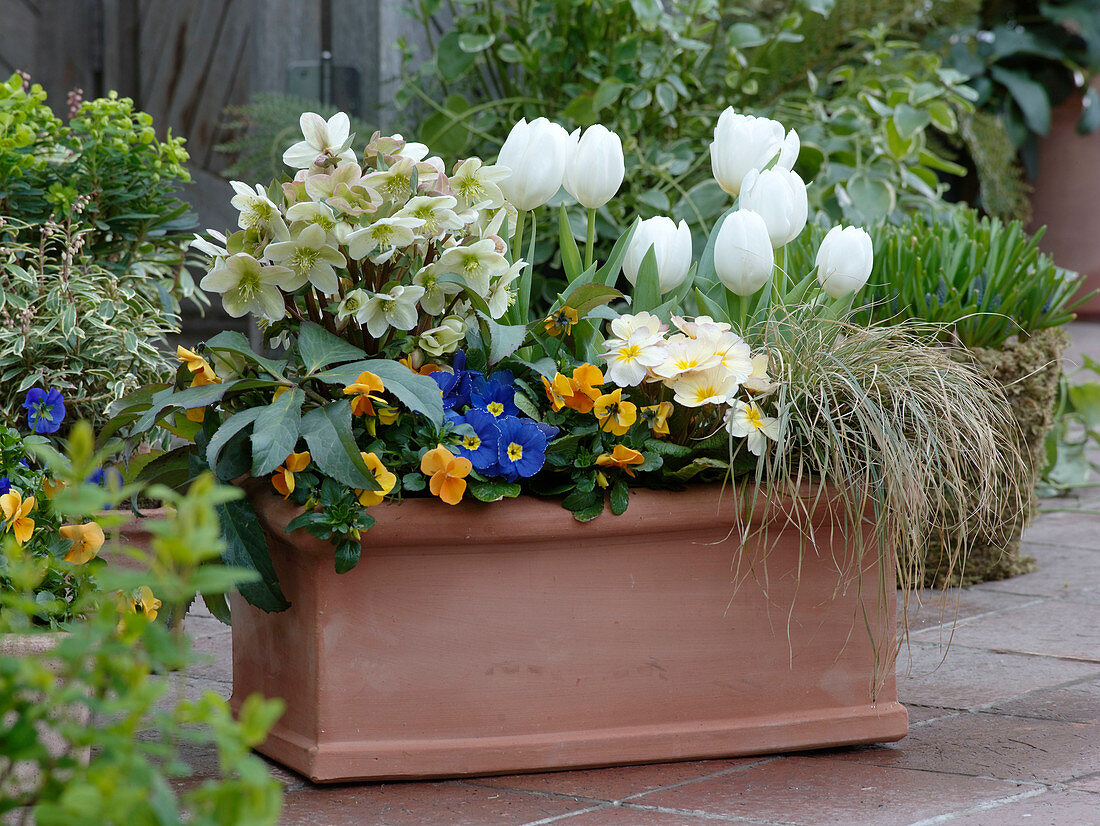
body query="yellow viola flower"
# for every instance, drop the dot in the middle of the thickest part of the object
(656, 416)
(447, 473)
(282, 479)
(388, 415)
(615, 415)
(382, 476)
(577, 393)
(15, 509)
(621, 457)
(200, 368)
(561, 322)
(363, 388)
(52, 487)
(87, 539)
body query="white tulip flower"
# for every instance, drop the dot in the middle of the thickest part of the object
(743, 255)
(844, 260)
(747, 420)
(396, 309)
(321, 138)
(246, 286)
(744, 142)
(311, 258)
(671, 245)
(536, 154)
(779, 197)
(596, 169)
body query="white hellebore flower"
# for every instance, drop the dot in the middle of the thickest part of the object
(437, 213)
(434, 300)
(385, 235)
(671, 245)
(743, 255)
(257, 210)
(744, 142)
(311, 258)
(321, 138)
(396, 309)
(747, 420)
(352, 304)
(501, 295)
(844, 260)
(477, 186)
(536, 154)
(596, 169)
(209, 247)
(639, 347)
(476, 263)
(443, 339)
(246, 286)
(779, 197)
(712, 386)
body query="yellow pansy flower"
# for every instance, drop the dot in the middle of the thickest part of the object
(15, 509)
(87, 539)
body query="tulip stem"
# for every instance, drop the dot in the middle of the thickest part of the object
(590, 238)
(523, 299)
(780, 279)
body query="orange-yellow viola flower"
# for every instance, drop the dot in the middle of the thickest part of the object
(52, 487)
(425, 370)
(615, 415)
(577, 393)
(283, 477)
(382, 476)
(447, 473)
(15, 509)
(200, 368)
(362, 388)
(560, 322)
(621, 457)
(87, 539)
(656, 416)
(388, 415)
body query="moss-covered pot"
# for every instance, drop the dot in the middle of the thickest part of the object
(1027, 370)
(502, 638)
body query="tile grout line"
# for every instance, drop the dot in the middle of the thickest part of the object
(981, 807)
(732, 770)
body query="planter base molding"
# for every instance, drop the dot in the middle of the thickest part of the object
(503, 638)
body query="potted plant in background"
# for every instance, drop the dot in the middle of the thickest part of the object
(408, 460)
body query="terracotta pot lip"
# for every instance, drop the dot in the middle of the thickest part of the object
(429, 520)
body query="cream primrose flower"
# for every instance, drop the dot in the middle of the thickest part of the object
(312, 213)
(322, 184)
(501, 295)
(396, 309)
(246, 286)
(476, 263)
(643, 323)
(257, 211)
(629, 359)
(477, 186)
(311, 258)
(386, 235)
(331, 138)
(352, 304)
(393, 184)
(735, 355)
(747, 420)
(436, 292)
(443, 339)
(437, 213)
(684, 355)
(700, 325)
(759, 381)
(695, 388)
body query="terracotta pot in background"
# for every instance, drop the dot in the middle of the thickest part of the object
(487, 639)
(1067, 199)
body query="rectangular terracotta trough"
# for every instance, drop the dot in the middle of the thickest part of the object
(487, 639)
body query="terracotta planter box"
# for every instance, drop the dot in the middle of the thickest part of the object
(488, 639)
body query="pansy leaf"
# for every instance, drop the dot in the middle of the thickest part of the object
(620, 497)
(347, 555)
(418, 393)
(276, 432)
(319, 348)
(494, 491)
(327, 431)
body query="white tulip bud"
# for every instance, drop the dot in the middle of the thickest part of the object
(779, 197)
(596, 170)
(671, 245)
(744, 142)
(743, 255)
(844, 260)
(536, 154)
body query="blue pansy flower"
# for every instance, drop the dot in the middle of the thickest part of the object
(481, 447)
(522, 447)
(5, 485)
(496, 394)
(106, 478)
(465, 380)
(45, 410)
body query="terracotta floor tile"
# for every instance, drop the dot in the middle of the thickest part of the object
(1077, 703)
(1061, 571)
(992, 745)
(419, 804)
(965, 678)
(1052, 808)
(822, 790)
(925, 714)
(216, 652)
(616, 783)
(630, 815)
(1052, 627)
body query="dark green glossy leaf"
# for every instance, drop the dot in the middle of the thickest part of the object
(319, 348)
(276, 432)
(327, 431)
(418, 393)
